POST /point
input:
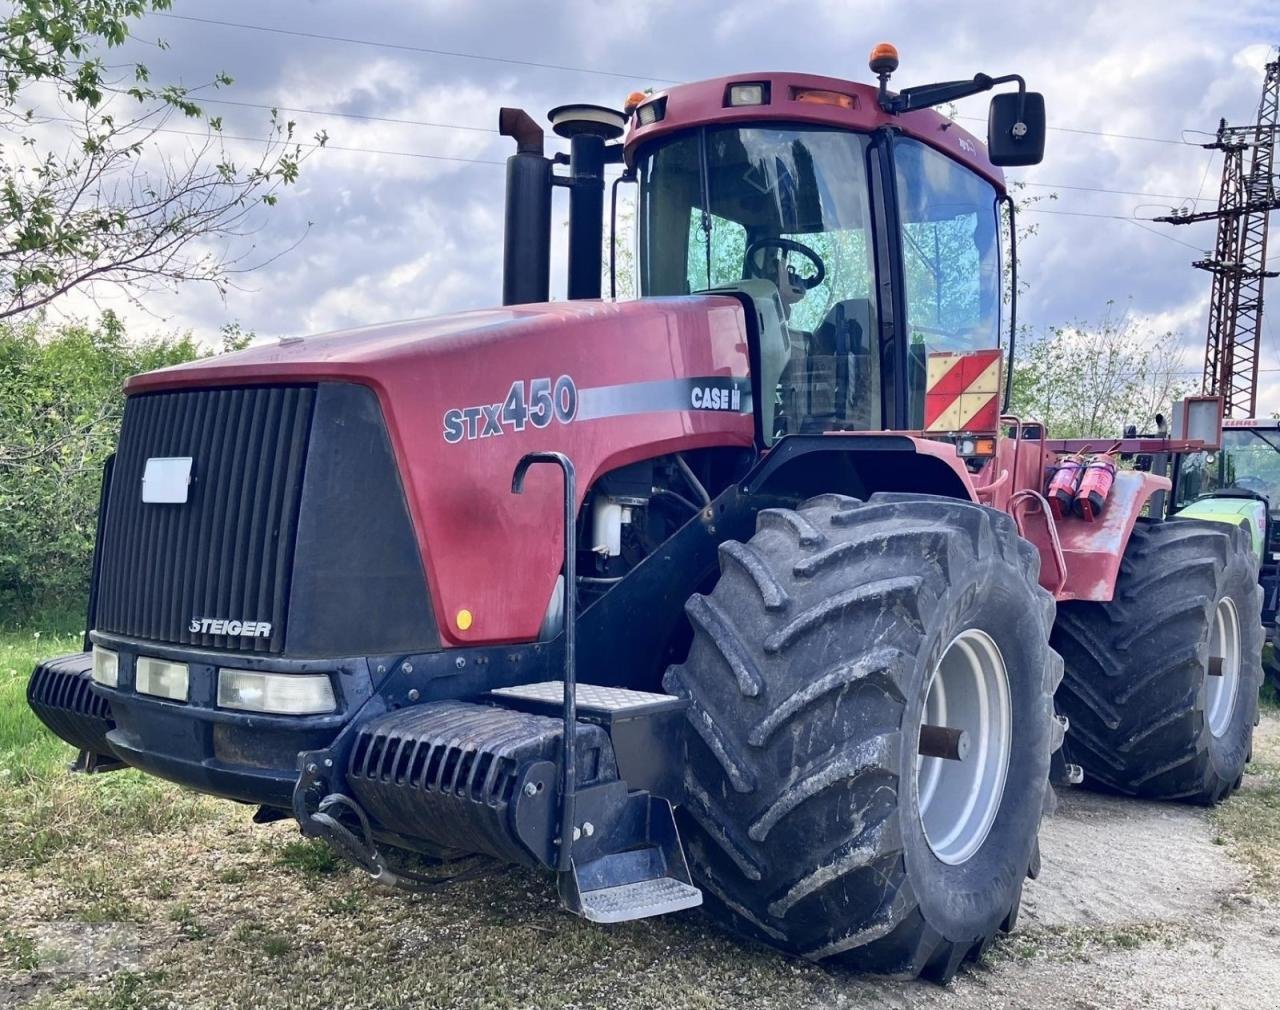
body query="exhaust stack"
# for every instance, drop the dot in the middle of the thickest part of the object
(587, 128)
(526, 242)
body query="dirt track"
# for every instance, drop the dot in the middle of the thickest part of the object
(1140, 905)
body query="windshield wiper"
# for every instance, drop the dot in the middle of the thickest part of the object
(1255, 431)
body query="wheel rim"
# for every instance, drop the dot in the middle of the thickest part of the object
(958, 799)
(1224, 654)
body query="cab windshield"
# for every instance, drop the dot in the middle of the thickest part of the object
(1249, 460)
(787, 210)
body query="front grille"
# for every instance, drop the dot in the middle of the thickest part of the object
(227, 552)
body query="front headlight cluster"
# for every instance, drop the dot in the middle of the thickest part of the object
(241, 690)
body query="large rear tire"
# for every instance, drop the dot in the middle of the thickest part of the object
(812, 823)
(1147, 717)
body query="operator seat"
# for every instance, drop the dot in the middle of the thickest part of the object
(831, 382)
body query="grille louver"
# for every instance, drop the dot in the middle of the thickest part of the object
(227, 552)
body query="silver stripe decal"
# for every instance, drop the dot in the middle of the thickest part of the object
(660, 395)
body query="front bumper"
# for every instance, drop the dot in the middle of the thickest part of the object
(245, 756)
(252, 757)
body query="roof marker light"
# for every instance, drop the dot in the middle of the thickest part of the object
(650, 112)
(748, 94)
(816, 96)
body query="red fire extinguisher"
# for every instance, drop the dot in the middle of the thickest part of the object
(1095, 484)
(1063, 482)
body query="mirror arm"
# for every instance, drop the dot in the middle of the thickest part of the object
(926, 96)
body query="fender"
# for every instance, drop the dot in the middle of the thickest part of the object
(1093, 551)
(860, 464)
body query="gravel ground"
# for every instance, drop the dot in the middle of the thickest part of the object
(1140, 905)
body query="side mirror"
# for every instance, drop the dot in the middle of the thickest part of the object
(1016, 128)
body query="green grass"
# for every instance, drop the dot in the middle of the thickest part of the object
(1250, 821)
(1270, 699)
(309, 856)
(45, 810)
(27, 749)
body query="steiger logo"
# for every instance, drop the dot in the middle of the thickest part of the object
(221, 626)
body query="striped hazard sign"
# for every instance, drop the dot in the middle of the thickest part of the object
(962, 391)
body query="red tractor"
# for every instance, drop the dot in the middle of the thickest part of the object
(781, 622)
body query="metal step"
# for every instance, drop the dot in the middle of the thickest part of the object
(592, 699)
(646, 875)
(644, 898)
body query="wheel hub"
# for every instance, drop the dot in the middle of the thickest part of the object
(1223, 683)
(959, 788)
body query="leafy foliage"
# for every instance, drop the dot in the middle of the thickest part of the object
(1092, 378)
(116, 207)
(60, 406)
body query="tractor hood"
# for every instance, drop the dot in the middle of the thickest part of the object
(465, 396)
(363, 354)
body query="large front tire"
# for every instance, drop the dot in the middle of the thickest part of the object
(831, 636)
(1147, 716)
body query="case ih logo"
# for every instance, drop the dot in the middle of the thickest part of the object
(222, 626)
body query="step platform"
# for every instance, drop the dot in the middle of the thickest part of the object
(648, 877)
(595, 702)
(646, 728)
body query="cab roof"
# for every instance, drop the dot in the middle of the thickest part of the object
(706, 103)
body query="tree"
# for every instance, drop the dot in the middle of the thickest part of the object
(1091, 379)
(115, 208)
(60, 407)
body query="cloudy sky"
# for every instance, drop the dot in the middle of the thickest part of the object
(391, 228)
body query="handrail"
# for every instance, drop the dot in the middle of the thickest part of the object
(1059, 559)
(567, 765)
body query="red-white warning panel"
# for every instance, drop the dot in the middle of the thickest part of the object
(962, 390)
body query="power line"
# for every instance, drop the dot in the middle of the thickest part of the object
(1096, 133)
(203, 100)
(404, 47)
(1111, 217)
(326, 146)
(1118, 192)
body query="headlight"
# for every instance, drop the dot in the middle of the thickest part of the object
(748, 94)
(106, 667)
(277, 693)
(161, 678)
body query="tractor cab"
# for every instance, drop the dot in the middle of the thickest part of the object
(859, 228)
(787, 214)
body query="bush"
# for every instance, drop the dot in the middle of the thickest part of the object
(60, 406)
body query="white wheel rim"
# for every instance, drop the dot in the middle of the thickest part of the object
(1224, 649)
(958, 799)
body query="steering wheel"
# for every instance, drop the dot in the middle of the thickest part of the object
(788, 245)
(1251, 483)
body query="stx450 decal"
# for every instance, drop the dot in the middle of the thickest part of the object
(546, 401)
(562, 401)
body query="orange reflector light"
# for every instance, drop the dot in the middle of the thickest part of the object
(463, 620)
(633, 99)
(817, 97)
(976, 445)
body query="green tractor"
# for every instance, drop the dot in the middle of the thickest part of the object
(1240, 485)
